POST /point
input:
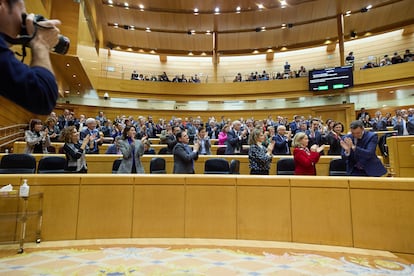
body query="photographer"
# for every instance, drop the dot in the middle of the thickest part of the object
(32, 87)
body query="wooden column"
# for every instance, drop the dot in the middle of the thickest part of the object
(340, 24)
(68, 13)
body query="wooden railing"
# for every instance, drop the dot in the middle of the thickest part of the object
(11, 134)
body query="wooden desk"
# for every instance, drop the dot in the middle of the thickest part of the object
(342, 211)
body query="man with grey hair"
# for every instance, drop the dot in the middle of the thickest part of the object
(95, 138)
(235, 138)
(282, 140)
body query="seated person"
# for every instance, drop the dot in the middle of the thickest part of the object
(147, 148)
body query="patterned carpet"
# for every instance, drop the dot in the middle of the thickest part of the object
(196, 260)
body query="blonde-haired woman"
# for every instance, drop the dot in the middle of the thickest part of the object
(260, 157)
(74, 150)
(305, 159)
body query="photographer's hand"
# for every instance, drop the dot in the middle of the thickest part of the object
(46, 37)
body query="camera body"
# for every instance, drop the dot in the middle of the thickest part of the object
(24, 38)
(63, 44)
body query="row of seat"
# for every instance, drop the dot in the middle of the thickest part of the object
(211, 166)
(286, 166)
(26, 163)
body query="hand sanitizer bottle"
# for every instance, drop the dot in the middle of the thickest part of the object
(24, 189)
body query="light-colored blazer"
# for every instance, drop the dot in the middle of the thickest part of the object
(32, 140)
(127, 161)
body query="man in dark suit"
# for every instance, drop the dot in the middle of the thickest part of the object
(314, 134)
(184, 156)
(235, 139)
(359, 152)
(96, 138)
(282, 141)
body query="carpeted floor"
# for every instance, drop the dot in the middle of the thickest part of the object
(186, 257)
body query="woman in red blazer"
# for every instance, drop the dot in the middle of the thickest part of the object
(304, 158)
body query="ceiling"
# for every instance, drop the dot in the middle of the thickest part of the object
(174, 28)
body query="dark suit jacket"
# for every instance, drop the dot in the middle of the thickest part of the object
(183, 161)
(334, 144)
(233, 142)
(314, 140)
(282, 145)
(364, 156)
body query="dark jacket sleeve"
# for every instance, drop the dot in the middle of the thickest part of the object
(33, 88)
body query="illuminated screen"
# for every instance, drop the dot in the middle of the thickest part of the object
(331, 78)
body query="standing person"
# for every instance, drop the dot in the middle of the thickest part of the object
(95, 139)
(235, 138)
(131, 149)
(314, 133)
(359, 151)
(204, 141)
(350, 59)
(37, 140)
(333, 139)
(184, 157)
(260, 157)
(74, 150)
(32, 87)
(222, 137)
(282, 140)
(305, 158)
(52, 129)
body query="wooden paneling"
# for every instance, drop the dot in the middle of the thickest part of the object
(68, 13)
(159, 207)
(218, 220)
(382, 213)
(248, 207)
(265, 194)
(60, 205)
(321, 211)
(105, 207)
(400, 156)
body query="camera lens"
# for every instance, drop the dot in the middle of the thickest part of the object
(62, 46)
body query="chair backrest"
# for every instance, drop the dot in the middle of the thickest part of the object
(157, 165)
(337, 167)
(221, 150)
(163, 151)
(216, 166)
(18, 163)
(51, 164)
(51, 149)
(285, 166)
(235, 166)
(116, 164)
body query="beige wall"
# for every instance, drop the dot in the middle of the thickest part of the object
(365, 49)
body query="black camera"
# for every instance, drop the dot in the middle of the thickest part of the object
(63, 44)
(24, 38)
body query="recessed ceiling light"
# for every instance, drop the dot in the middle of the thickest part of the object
(217, 10)
(110, 2)
(238, 9)
(148, 29)
(260, 6)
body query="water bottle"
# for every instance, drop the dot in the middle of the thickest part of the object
(24, 189)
